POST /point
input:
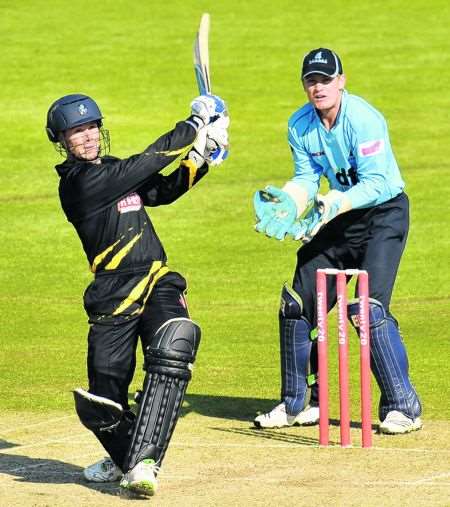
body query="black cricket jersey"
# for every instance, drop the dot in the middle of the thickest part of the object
(105, 203)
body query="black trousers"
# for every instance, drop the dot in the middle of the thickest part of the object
(372, 239)
(112, 342)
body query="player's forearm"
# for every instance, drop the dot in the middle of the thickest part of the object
(140, 168)
(170, 145)
(167, 189)
(118, 178)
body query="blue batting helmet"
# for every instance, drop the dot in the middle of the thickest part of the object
(70, 111)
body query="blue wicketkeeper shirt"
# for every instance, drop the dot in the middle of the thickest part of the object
(355, 155)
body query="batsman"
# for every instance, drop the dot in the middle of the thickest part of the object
(134, 294)
(361, 222)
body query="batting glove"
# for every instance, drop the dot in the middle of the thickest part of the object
(198, 151)
(217, 143)
(208, 108)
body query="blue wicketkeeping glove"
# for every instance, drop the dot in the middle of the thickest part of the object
(306, 228)
(326, 207)
(276, 212)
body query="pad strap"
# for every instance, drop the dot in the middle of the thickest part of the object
(291, 304)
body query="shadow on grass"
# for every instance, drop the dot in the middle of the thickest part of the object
(285, 436)
(4, 444)
(237, 408)
(226, 407)
(46, 471)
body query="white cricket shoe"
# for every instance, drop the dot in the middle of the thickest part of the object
(104, 470)
(309, 416)
(397, 423)
(141, 479)
(278, 418)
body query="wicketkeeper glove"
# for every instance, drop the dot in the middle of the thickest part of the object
(326, 207)
(303, 229)
(276, 212)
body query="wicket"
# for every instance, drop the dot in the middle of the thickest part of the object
(322, 347)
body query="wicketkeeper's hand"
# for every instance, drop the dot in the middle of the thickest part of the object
(326, 207)
(276, 212)
(208, 108)
(305, 229)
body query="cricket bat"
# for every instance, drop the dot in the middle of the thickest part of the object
(201, 56)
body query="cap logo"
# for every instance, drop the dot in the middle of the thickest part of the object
(318, 59)
(82, 109)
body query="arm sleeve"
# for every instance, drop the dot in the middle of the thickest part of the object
(162, 189)
(370, 144)
(306, 172)
(100, 186)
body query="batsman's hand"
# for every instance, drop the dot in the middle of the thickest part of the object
(217, 141)
(198, 151)
(211, 145)
(208, 108)
(276, 212)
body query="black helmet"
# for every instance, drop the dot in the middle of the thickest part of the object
(70, 111)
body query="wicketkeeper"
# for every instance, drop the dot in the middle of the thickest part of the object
(134, 294)
(361, 222)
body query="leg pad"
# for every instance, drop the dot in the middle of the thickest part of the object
(389, 362)
(168, 362)
(295, 349)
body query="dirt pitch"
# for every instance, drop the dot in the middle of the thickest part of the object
(222, 462)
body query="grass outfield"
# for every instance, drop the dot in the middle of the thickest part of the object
(135, 59)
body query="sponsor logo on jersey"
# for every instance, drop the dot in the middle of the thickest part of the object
(370, 148)
(131, 202)
(317, 153)
(347, 177)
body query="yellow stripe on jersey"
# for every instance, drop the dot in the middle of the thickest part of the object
(157, 276)
(115, 261)
(98, 259)
(174, 152)
(192, 168)
(139, 289)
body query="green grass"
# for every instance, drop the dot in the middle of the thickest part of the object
(135, 60)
